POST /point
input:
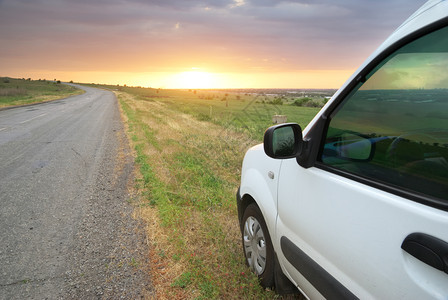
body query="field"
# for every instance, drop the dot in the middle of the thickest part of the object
(189, 147)
(26, 91)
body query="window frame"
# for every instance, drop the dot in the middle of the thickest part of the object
(317, 134)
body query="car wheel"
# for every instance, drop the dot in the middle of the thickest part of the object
(257, 245)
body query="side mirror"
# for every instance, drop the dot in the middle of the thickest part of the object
(283, 140)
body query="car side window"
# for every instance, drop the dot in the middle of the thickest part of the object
(393, 128)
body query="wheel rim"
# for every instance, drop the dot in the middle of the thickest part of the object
(254, 245)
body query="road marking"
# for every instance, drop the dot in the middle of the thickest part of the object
(1, 129)
(33, 118)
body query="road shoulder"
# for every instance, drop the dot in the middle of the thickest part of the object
(110, 253)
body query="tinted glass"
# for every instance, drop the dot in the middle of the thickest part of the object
(402, 110)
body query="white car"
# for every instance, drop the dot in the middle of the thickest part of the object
(356, 205)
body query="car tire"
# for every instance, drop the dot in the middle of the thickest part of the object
(257, 245)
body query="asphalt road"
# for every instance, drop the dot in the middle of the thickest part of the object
(66, 225)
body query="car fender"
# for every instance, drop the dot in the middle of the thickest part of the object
(259, 181)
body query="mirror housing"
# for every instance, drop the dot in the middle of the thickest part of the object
(283, 141)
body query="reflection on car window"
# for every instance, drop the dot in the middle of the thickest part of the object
(394, 127)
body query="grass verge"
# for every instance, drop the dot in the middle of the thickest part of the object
(189, 171)
(14, 92)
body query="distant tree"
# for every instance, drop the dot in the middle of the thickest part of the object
(313, 104)
(277, 101)
(302, 101)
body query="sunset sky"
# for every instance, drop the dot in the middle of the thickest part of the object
(195, 44)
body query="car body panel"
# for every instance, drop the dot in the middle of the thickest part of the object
(255, 182)
(312, 219)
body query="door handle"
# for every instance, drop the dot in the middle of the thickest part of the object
(428, 249)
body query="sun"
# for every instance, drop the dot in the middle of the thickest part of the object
(194, 80)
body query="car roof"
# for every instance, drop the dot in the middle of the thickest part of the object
(430, 12)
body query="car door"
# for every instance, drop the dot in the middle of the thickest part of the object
(370, 218)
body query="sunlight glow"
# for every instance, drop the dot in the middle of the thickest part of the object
(194, 80)
(197, 79)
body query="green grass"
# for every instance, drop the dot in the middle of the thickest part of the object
(244, 112)
(189, 149)
(26, 91)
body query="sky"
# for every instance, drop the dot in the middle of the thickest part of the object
(195, 44)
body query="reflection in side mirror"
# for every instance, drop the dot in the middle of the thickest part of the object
(348, 146)
(283, 141)
(356, 149)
